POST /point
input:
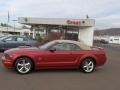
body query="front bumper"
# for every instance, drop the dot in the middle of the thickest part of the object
(6, 62)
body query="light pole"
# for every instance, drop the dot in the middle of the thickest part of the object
(14, 24)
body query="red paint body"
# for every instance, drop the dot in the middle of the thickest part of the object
(44, 59)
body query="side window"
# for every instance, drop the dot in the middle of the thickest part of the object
(59, 46)
(66, 46)
(21, 39)
(75, 47)
(71, 46)
(10, 38)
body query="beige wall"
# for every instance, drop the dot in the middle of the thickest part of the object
(86, 35)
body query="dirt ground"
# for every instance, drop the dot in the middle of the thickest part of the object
(104, 78)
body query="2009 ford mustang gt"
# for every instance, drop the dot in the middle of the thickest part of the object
(57, 54)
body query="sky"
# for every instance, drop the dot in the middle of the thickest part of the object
(105, 12)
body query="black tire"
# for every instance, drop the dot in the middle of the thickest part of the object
(87, 66)
(23, 65)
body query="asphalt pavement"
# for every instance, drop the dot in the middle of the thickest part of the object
(106, 77)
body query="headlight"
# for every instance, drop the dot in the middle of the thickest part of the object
(7, 56)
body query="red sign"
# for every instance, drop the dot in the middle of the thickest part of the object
(73, 22)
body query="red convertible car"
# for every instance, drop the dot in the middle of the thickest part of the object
(57, 54)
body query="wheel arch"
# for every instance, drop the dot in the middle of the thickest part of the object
(90, 57)
(26, 57)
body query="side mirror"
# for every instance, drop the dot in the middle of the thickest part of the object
(52, 49)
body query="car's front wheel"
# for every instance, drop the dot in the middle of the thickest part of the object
(88, 65)
(23, 65)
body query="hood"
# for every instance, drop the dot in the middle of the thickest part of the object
(22, 49)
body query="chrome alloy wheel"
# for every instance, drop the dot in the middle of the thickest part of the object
(23, 65)
(88, 65)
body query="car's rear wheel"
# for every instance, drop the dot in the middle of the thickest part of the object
(23, 65)
(88, 65)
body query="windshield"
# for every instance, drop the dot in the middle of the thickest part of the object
(45, 46)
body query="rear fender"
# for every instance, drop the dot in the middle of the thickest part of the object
(88, 56)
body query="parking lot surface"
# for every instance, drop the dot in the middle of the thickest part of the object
(106, 77)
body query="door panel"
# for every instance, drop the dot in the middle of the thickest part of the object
(2, 46)
(61, 55)
(9, 44)
(77, 54)
(58, 59)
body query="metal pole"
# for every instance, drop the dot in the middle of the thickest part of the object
(14, 24)
(8, 21)
(7, 25)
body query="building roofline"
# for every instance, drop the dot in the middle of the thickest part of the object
(56, 21)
